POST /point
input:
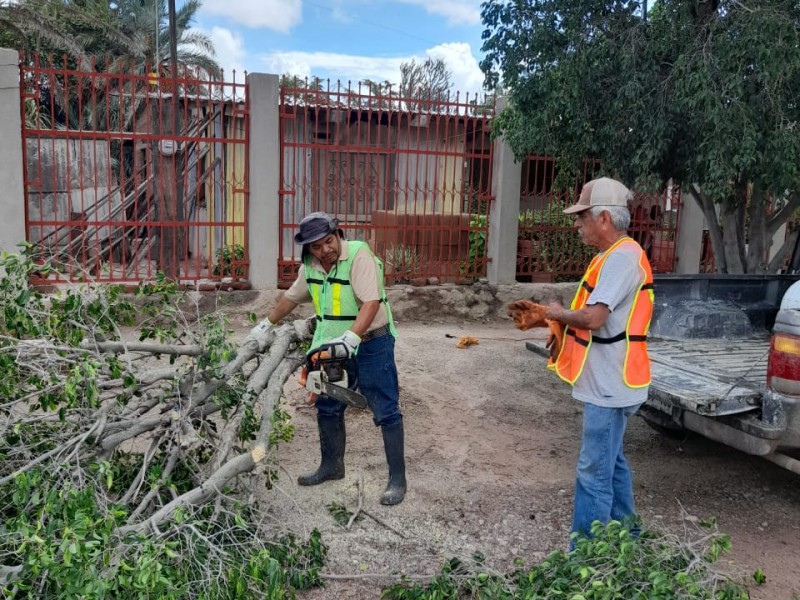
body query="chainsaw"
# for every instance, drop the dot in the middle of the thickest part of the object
(326, 373)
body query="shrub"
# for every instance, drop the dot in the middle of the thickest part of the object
(614, 564)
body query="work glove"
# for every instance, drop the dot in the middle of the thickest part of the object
(527, 314)
(350, 341)
(262, 328)
(555, 339)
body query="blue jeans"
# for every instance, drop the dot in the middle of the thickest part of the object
(603, 487)
(376, 373)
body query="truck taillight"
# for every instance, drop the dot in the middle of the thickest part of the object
(783, 370)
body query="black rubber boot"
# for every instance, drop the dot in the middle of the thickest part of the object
(393, 444)
(331, 444)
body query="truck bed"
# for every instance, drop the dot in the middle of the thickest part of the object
(711, 377)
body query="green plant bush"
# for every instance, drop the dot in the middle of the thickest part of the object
(227, 259)
(558, 247)
(612, 565)
(475, 264)
(402, 262)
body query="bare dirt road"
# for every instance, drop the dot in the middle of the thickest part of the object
(492, 439)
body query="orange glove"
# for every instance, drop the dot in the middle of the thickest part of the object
(555, 339)
(466, 341)
(527, 314)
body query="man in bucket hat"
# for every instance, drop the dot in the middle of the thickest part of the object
(344, 280)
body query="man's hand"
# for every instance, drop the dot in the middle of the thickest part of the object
(350, 341)
(262, 327)
(555, 311)
(527, 314)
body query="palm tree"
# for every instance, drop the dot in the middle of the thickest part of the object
(78, 28)
(133, 34)
(147, 21)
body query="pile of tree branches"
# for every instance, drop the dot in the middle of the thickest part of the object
(128, 428)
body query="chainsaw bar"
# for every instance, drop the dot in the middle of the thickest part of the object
(343, 394)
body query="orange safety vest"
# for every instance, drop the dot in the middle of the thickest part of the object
(636, 369)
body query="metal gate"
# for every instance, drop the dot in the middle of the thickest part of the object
(548, 246)
(412, 177)
(130, 173)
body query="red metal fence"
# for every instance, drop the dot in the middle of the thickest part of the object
(548, 246)
(124, 178)
(411, 176)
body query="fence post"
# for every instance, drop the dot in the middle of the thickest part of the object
(264, 168)
(12, 225)
(689, 242)
(504, 211)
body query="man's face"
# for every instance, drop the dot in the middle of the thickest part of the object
(588, 227)
(326, 250)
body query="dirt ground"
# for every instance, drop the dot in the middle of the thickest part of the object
(491, 444)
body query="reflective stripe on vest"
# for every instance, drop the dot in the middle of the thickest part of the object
(636, 368)
(334, 301)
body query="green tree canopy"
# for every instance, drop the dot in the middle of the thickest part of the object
(704, 92)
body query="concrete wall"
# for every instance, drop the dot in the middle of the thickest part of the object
(12, 225)
(504, 212)
(265, 180)
(689, 244)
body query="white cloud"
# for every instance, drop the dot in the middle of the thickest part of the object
(467, 76)
(336, 66)
(230, 49)
(457, 12)
(278, 15)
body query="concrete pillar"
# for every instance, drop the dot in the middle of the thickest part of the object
(504, 212)
(689, 244)
(263, 219)
(12, 225)
(777, 242)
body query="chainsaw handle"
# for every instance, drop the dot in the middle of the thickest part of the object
(333, 349)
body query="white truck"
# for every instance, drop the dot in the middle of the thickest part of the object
(725, 354)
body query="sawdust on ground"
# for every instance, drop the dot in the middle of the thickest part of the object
(491, 444)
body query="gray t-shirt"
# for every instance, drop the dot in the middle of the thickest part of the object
(601, 381)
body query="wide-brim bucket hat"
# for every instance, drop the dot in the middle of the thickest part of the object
(314, 227)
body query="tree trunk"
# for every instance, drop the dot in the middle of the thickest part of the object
(759, 241)
(714, 231)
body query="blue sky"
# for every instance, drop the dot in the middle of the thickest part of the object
(345, 39)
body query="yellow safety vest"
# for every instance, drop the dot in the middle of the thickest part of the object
(334, 301)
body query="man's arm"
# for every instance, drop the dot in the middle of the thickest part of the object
(281, 309)
(364, 280)
(365, 316)
(591, 317)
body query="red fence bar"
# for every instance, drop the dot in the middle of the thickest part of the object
(130, 173)
(410, 176)
(548, 246)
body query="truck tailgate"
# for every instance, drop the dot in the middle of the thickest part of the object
(711, 377)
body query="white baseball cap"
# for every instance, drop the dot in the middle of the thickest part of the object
(601, 192)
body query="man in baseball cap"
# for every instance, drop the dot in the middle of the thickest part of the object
(344, 280)
(604, 352)
(601, 192)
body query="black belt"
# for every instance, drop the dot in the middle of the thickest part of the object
(376, 333)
